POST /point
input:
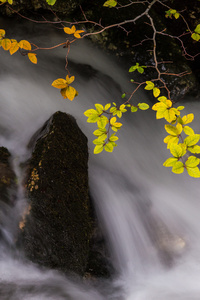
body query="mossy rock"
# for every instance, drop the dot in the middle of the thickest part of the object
(57, 228)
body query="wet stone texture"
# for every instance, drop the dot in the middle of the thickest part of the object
(7, 177)
(57, 228)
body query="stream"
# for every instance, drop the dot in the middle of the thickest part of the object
(149, 215)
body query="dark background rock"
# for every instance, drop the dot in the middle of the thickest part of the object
(7, 177)
(57, 228)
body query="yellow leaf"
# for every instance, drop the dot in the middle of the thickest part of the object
(178, 167)
(10, 2)
(69, 79)
(113, 120)
(192, 161)
(193, 172)
(171, 139)
(187, 119)
(156, 92)
(98, 149)
(70, 30)
(23, 44)
(2, 33)
(70, 93)
(169, 115)
(170, 162)
(32, 57)
(162, 98)
(63, 93)
(59, 83)
(6, 43)
(159, 105)
(14, 47)
(77, 35)
(176, 150)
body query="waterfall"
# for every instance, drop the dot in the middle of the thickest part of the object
(150, 216)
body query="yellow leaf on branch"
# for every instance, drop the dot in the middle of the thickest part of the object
(2, 33)
(71, 93)
(24, 44)
(14, 47)
(32, 57)
(59, 83)
(6, 43)
(69, 30)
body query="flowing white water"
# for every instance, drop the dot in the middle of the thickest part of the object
(150, 216)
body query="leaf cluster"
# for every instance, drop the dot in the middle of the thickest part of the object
(137, 67)
(105, 117)
(179, 147)
(66, 90)
(13, 46)
(196, 35)
(172, 13)
(73, 31)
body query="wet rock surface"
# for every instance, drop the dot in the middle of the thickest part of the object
(57, 228)
(7, 177)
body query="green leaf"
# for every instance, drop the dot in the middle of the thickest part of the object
(140, 70)
(197, 29)
(134, 108)
(123, 95)
(98, 142)
(108, 147)
(99, 132)
(133, 68)
(191, 140)
(110, 3)
(51, 2)
(193, 172)
(195, 36)
(176, 15)
(102, 137)
(113, 138)
(192, 161)
(176, 150)
(149, 86)
(93, 119)
(170, 162)
(143, 106)
(178, 167)
(98, 149)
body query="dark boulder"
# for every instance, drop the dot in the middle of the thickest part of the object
(57, 229)
(7, 177)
